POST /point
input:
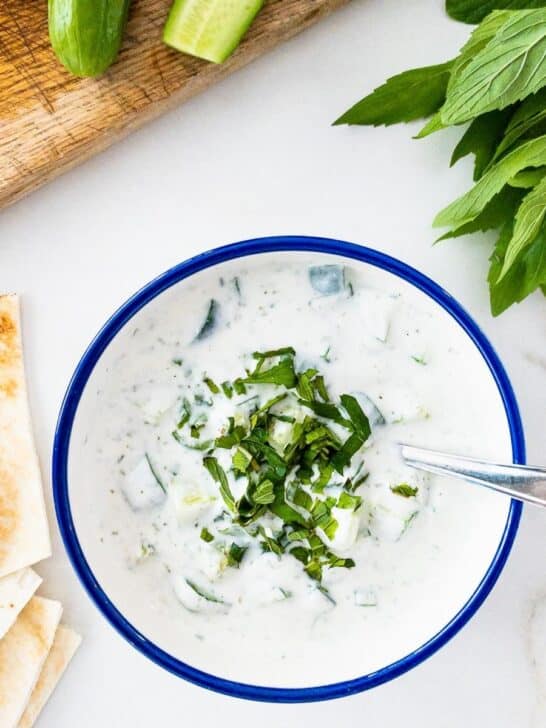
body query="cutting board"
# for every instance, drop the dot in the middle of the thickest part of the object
(50, 121)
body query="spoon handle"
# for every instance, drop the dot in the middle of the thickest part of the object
(523, 482)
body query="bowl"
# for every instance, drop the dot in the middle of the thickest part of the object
(449, 601)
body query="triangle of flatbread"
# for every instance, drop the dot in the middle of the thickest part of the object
(64, 646)
(15, 591)
(24, 536)
(23, 652)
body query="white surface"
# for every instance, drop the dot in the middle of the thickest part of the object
(256, 156)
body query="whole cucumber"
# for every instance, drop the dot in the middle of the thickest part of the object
(86, 34)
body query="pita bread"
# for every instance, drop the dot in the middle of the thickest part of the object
(24, 536)
(15, 591)
(64, 646)
(23, 652)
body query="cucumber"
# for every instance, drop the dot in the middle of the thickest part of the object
(86, 34)
(209, 29)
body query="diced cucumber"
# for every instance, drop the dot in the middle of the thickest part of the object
(209, 29)
(142, 487)
(327, 279)
(365, 598)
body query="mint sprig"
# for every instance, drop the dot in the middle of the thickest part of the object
(497, 84)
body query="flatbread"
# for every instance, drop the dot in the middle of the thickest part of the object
(15, 591)
(64, 646)
(24, 536)
(23, 652)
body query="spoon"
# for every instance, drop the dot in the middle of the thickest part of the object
(524, 482)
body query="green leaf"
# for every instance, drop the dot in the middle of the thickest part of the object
(405, 490)
(343, 457)
(218, 474)
(499, 209)
(529, 120)
(469, 206)
(510, 67)
(481, 139)
(433, 125)
(473, 11)
(526, 275)
(410, 95)
(356, 414)
(282, 374)
(527, 178)
(528, 222)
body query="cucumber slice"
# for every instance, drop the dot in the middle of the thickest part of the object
(209, 29)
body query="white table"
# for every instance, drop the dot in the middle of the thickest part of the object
(256, 156)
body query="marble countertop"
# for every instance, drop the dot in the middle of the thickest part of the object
(256, 155)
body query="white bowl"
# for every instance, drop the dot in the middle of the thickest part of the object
(451, 594)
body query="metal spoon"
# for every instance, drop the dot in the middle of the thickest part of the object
(524, 482)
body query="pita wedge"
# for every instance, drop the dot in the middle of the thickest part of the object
(64, 646)
(24, 536)
(15, 591)
(23, 652)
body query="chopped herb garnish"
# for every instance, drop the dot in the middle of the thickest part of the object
(210, 321)
(405, 490)
(214, 388)
(219, 475)
(419, 360)
(204, 593)
(155, 473)
(227, 389)
(206, 535)
(288, 469)
(235, 554)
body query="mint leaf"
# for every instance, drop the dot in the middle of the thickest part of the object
(528, 222)
(481, 139)
(469, 206)
(499, 209)
(526, 275)
(218, 474)
(410, 95)
(473, 11)
(405, 490)
(510, 67)
(527, 178)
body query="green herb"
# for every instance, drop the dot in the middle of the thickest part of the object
(235, 554)
(241, 460)
(185, 414)
(209, 596)
(411, 95)
(209, 323)
(155, 473)
(282, 374)
(419, 360)
(219, 475)
(474, 11)
(351, 502)
(214, 388)
(206, 535)
(227, 389)
(203, 445)
(405, 490)
(498, 84)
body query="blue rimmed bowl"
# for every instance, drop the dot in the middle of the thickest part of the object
(64, 485)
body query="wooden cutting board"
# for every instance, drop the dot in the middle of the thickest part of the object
(50, 121)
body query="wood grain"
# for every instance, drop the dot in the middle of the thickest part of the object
(51, 121)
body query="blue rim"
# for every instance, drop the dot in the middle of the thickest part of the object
(86, 366)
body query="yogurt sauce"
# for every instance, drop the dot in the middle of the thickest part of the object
(157, 529)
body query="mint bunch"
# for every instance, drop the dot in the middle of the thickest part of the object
(496, 85)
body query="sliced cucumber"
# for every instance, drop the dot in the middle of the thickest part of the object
(209, 29)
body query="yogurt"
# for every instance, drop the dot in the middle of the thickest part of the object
(157, 529)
